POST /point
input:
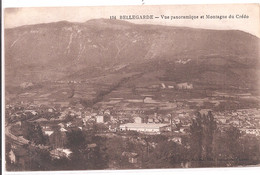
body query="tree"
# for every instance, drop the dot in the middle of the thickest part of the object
(38, 136)
(33, 132)
(39, 159)
(227, 147)
(75, 139)
(115, 148)
(250, 150)
(87, 151)
(167, 154)
(202, 132)
(232, 140)
(57, 139)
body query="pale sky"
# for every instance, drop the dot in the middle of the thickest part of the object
(33, 15)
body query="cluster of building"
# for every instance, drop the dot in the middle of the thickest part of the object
(247, 120)
(62, 120)
(146, 127)
(172, 85)
(154, 124)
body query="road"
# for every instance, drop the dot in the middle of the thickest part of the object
(18, 140)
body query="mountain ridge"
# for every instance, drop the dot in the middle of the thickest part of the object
(49, 52)
(126, 22)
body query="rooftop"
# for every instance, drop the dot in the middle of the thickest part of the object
(144, 125)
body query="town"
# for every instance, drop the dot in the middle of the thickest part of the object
(57, 120)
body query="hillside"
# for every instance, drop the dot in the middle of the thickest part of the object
(68, 51)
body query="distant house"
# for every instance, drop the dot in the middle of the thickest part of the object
(186, 164)
(87, 117)
(92, 145)
(12, 156)
(60, 152)
(50, 110)
(79, 116)
(18, 156)
(181, 115)
(61, 125)
(183, 61)
(94, 114)
(41, 120)
(252, 131)
(163, 85)
(149, 100)
(156, 120)
(100, 119)
(204, 111)
(68, 124)
(26, 84)
(235, 122)
(137, 119)
(176, 140)
(177, 120)
(19, 123)
(184, 129)
(34, 112)
(155, 86)
(167, 128)
(185, 85)
(48, 132)
(222, 120)
(113, 119)
(150, 120)
(112, 128)
(132, 157)
(107, 112)
(166, 120)
(155, 128)
(72, 113)
(63, 115)
(63, 129)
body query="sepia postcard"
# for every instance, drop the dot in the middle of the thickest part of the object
(131, 87)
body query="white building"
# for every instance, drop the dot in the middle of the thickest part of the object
(163, 85)
(176, 140)
(145, 127)
(251, 131)
(107, 112)
(100, 119)
(60, 152)
(137, 119)
(12, 156)
(63, 130)
(48, 132)
(185, 86)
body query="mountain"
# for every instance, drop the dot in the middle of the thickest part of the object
(65, 50)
